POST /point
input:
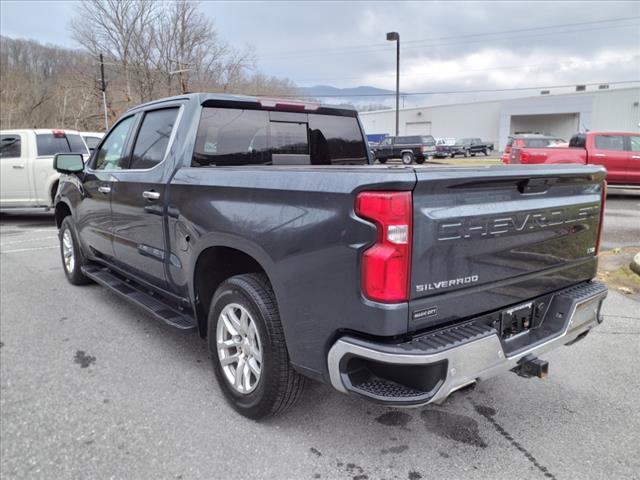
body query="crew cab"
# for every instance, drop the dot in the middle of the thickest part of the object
(618, 152)
(262, 225)
(408, 148)
(26, 165)
(465, 147)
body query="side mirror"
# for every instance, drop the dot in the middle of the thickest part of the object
(68, 162)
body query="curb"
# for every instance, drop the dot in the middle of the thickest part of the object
(635, 264)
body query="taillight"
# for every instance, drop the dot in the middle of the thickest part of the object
(386, 264)
(58, 133)
(524, 156)
(602, 203)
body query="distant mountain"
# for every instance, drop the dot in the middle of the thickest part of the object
(363, 97)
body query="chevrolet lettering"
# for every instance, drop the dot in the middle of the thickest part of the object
(508, 224)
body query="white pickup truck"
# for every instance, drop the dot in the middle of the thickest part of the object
(28, 179)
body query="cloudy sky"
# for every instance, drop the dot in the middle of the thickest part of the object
(445, 46)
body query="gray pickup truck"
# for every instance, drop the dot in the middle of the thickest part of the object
(262, 225)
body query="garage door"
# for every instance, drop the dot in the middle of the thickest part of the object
(418, 128)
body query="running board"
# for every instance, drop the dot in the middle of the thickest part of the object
(152, 303)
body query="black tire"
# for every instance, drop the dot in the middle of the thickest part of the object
(72, 272)
(473, 154)
(420, 161)
(382, 160)
(407, 158)
(453, 155)
(279, 385)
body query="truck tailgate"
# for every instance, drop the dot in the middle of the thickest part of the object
(488, 237)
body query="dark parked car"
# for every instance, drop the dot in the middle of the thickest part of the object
(409, 148)
(465, 147)
(259, 224)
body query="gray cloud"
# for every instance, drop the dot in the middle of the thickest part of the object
(343, 43)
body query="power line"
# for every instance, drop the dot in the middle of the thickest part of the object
(369, 47)
(509, 67)
(449, 92)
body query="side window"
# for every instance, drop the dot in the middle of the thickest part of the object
(231, 137)
(610, 142)
(386, 141)
(110, 154)
(635, 143)
(153, 138)
(10, 146)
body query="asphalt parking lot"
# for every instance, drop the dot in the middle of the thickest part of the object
(92, 387)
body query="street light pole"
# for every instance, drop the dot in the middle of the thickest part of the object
(391, 36)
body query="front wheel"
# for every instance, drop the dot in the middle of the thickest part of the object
(248, 349)
(72, 260)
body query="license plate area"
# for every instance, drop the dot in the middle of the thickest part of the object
(515, 321)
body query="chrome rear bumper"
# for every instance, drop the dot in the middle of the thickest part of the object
(430, 367)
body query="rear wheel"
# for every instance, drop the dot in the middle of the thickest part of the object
(420, 161)
(382, 160)
(72, 260)
(407, 158)
(248, 349)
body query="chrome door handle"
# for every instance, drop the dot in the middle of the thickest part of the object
(635, 156)
(151, 195)
(18, 167)
(599, 155)
(104, 189)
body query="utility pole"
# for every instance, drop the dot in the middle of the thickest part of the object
(395, 36)
(103, 87)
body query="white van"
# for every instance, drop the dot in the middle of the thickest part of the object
(27, 177)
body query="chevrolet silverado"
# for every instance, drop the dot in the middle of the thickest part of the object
(263, 225)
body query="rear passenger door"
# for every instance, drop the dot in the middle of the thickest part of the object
(609, 151)
(633, 171)
(138, 198)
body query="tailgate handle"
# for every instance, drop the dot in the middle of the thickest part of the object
(535, 185)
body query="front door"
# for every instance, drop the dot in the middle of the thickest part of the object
(609, 152)
(14, 171)
(94, 211)
(138, 200)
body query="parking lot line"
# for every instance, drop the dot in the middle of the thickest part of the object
(27, 249)
(27, 240)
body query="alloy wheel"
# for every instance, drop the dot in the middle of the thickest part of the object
(239, 348)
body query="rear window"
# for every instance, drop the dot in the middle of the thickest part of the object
(49, 144)
(610, 142)
(10, 146)
(428, 140)
(540, 142)
(578, 141)
(233, 137)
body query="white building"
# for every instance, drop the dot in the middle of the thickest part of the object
(558, 114)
